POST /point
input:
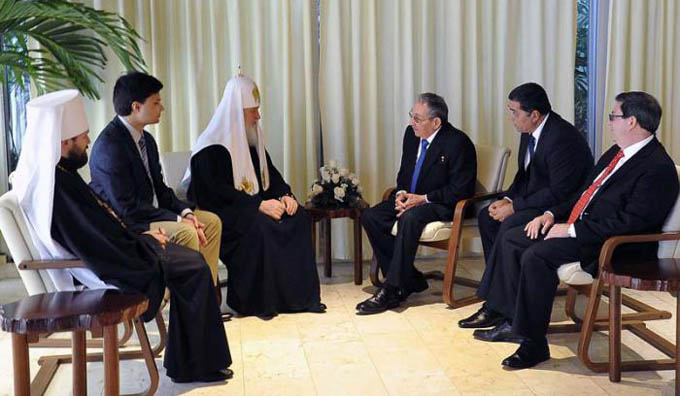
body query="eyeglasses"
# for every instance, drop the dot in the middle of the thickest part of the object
(613, 116)
(416, 119)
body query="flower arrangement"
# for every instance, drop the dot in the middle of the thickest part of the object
(337, 187)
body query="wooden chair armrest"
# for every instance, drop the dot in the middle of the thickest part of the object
(51, 264)
(612, 243)
(463, 204)
(388, 192)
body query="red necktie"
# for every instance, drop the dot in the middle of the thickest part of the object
(585, 197)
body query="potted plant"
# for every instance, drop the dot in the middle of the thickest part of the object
(71, 39)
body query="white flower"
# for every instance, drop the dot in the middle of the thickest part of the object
(332, 163)
(317, 189)
(344, 186)
(355, 181)
(325, 175)
(335, 178)
(339, 193)
(344, 172)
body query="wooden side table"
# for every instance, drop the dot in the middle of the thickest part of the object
(99, 311)
(319, 214)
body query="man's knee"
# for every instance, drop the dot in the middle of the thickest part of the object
(185, 235)
(212, 222)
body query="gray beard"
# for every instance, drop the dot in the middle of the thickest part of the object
(251, 135)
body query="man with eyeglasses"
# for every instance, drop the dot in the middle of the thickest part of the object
(438, 168)
(554, 160)
(630, 191)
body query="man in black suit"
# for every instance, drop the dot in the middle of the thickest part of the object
(126, 171)
(554, 160)
(438, 168)
(631, 190)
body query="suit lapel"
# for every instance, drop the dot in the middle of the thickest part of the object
(126, 137)
(431, 155)
(631, 164)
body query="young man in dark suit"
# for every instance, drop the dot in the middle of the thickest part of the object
(126, 171)
(438, 168)
(554, 160)
(631, 190)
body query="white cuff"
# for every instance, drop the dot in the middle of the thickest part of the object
(507, 199)
(399, 192)
(551, 214)
(186, 212)
(571, 231)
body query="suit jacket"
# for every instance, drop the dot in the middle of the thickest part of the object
(634, 200)
(119, 176)
(559, 166)
(449, 171)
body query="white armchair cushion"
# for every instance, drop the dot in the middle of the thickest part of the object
(573, 274)
(434, 231)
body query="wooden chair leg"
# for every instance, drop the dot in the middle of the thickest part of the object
(614, 333)
(148, 359)
(111, 363)
(589, 319)
(79, 363)
(22, 376)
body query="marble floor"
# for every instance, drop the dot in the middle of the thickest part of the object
(414, 350)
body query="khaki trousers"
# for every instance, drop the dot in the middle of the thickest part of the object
(185, 235)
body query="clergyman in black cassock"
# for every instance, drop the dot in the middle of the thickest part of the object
(271, 263)
(197, 343)
(266, 237)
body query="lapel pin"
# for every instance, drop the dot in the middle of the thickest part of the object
(442, 159)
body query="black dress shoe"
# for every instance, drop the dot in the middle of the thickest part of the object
(528, 354)
(500, 333)
(217, 376)
(419, 284)
(384, 299)
(485, 317)
(319, 308)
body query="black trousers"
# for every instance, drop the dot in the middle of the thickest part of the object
(492, 230)
(525, 280)
(395, 255)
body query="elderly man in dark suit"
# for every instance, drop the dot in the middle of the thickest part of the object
(126, 171)
(630, 191)
(438, 168)
(554, 160)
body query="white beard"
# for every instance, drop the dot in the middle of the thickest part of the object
(251, 135)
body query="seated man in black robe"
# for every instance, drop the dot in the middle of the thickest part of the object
(84, 226)
(266, 238)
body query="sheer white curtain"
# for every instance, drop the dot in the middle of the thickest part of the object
(194, 47)
(644, 55)
(378, 55)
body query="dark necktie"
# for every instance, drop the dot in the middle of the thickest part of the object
(531, 146)
(585, 197)
(145, 157)
(419, 164)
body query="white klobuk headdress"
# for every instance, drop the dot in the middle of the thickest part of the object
(51, 118)
(228, 128)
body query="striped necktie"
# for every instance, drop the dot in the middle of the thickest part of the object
(145, 160)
